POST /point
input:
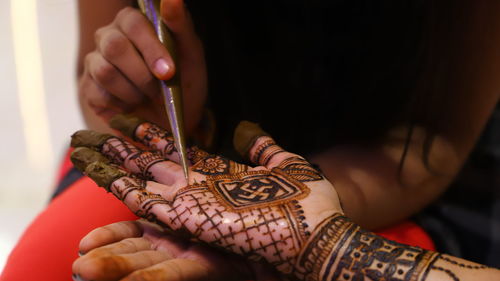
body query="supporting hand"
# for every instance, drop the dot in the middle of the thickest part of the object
(138, 250)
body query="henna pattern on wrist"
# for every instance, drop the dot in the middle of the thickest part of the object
(340, 250)
(460, 264)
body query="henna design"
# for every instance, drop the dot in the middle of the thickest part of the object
(260, 150)
(129, 186)
(254, 189)
(212, 165)
(151, 135)
(195, 154)
(118, 150)
(265, 232)
(145, 160)
(447, 271)
(300, 169)
(462, 265)
(340, 250)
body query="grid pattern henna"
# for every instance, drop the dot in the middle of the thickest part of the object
(118, 150)
(373, 257)
(265, 232)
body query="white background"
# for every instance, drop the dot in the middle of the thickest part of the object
(24, 190)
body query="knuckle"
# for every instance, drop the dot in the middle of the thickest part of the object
(142, 275)
(96, 268)
(104, 73)
(98, 34)
(113, 45)
(125, 13)
(147, 82)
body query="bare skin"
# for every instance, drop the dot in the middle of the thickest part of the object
(281, 211)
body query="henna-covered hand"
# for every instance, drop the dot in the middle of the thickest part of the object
(282, 211)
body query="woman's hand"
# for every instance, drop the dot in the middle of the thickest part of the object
(267, 212)
(120, 74)
(139, 250)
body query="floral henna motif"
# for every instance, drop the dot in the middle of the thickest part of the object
(212, 165)
(195, 154)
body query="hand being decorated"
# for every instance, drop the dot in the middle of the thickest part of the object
(282, 211)
(263, 212)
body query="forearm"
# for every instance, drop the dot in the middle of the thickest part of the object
(374, 191)
(341, 250)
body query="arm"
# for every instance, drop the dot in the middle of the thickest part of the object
(281, 211)
(366, 177)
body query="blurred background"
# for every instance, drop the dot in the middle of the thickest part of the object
(38, 106)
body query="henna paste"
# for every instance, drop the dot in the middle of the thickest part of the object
(89, 138)
(104, 175)
(245, 136)
(82, 156)
(126, 124)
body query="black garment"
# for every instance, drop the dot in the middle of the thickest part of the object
(465, 222)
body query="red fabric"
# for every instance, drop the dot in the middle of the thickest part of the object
(409, 233)
(50, 244)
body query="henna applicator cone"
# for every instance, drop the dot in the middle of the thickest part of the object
(171, 89)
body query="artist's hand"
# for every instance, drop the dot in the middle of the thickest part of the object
(119, 75)
(139, 250)
(266, 212)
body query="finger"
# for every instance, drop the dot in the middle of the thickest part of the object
(154, 137)
(178, 20)
(118, 50)
(142, 35)
(145, 198)
(112, 80)
(146, 164)
(251, 142)
(103, 103)
(109, 234)
(114, 267)
(173, 270)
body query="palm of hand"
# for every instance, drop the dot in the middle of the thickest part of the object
(259, 212)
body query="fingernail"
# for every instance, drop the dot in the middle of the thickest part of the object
(161, 68)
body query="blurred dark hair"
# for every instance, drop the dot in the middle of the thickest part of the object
(317, 73)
